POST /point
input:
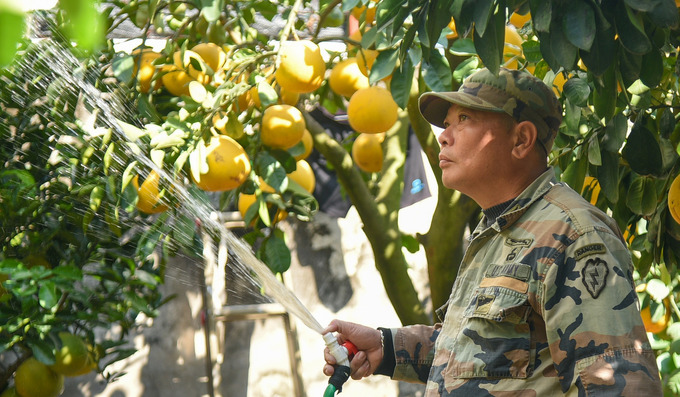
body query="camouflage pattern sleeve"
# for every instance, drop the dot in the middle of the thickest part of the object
(593, 326)
(414, 351)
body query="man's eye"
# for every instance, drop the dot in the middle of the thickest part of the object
(462, 117)
(446, 124)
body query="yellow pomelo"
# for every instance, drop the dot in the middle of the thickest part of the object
(346, 78)
(558, 83)
(372, 110)
(288, 98)
(73, 355)
(184, 62)
(367, 152)
(148, 194)
(176, 80)
(512, 48)
(518, 20)
(213, 55)
(658, 326)
(304, 176)
(144, 68)
(35, 379)
(228, 165)
(300, 67)
(592, 185)
(454, 32)
(674, 199)
(365, 60)
(308, 143)
(282, 126)
(355, 36)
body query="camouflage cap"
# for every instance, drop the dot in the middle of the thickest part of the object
(515, 92)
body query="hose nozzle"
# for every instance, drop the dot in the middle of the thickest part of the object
(343, 354)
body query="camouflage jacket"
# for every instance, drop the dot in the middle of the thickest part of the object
(544, 304)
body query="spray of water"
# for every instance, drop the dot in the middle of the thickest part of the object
(231, 250)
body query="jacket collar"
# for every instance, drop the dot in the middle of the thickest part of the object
(536, 190)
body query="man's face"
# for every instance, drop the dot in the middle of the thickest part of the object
(475, 149)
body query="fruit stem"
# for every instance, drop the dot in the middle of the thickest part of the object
(290, 22)
(674, 305)
(322, 17)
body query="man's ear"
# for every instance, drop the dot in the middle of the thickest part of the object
(526, 139)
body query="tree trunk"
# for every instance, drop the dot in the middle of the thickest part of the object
(379, 214)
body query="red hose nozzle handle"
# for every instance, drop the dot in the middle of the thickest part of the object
(351, 349)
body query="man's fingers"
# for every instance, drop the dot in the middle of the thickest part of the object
(330, 359)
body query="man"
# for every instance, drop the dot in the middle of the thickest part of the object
(544, 303)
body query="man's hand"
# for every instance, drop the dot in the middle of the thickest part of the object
(366, 339)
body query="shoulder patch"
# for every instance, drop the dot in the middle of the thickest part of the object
(590, 249)
(594, 276)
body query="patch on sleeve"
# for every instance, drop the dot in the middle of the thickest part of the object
(590, 249)
(483, 304)
(594, 276)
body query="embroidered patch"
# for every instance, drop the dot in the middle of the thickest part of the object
(484, 303)
(517, 245)
(519, 271)
(594, 276)
(590, 249)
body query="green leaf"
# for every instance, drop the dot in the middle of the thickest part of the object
(615, 133)
(572, 118)
(410, 243)
(604, 95)
(211, 9)
(12, 26)
(578, 24)
(347, 5)
(463, 47)
(577, 91)
(575, 174)
(482, 15)
(629, 67)
(86, 25)
(547, 51)
(271, 170)
(466, 68)
(490, 46)
(631, 33)
(563, 50)
(641, 198)
(602, 53)
(641, 5)
(664, 14)
(402, 80)
(652, 68)
(41, 350)
(436, 72)
(267, 94)
(531, 50)
(541, 14)
(275, 253)
(47, 294)
(384, 65)
(594, 155)
(608, 175)
(642, 151)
